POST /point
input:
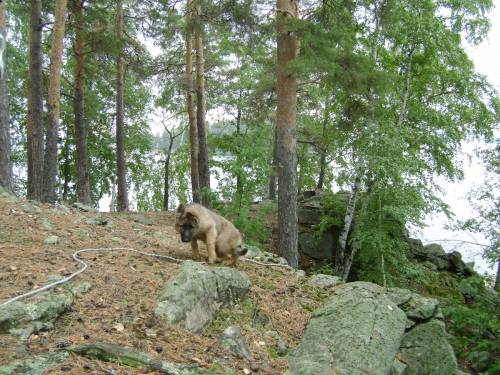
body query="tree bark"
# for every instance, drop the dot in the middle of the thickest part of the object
(66, 170)
(5, 162)
(286, 87)
(274, 163)
(50, 170)
(497, 278)
(120, 136)
(203, 168)
(166, 185)
(322, 161)
(82, 172)
(35, 131)
(193, 130)
(340, 259)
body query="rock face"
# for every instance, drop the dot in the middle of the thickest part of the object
(357, 331)
(36, 365)
(197, 293)
(23, 318)
(424, 347)
(425, 350)
(364, 329)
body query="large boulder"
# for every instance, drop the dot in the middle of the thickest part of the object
(357, 331)
(197, 293)
(414, 305)
(426, 351)
(318, 248)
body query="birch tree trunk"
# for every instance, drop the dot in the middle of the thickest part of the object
(82, 173)
(35, 131)
(193, 130)
(286, 88)
(5, 162)
(50, 170)
(120, 127)
(203, 168)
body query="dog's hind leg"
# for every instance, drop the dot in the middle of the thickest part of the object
(210, 241)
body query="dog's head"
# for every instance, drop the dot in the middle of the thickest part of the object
(186, 223)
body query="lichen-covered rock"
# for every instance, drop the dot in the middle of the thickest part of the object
(414, 305)
(117, 354)
(197, 293)
(324, 281)
(142, 219)
(52, 240)
(35, 365)
(23, 318)
(232, 340)
(426, 351)
(357, 331)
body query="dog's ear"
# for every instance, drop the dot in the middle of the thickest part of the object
(181, 208)
(193, 219)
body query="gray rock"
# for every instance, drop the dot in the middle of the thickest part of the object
(47, 225)
(457, 265)
(35, 365)
(414, 305)
(197, 293)
(52, 240)
(324, 281)
(310, 216)
(435, 249)
(232, 340)
(142, 219)
(128, 357)
(425, 350)
(357, 331)
(23, 318)
(83, 207)
(321, 249)
(263, 256)
(281, 345)
(299, 273)
(398, 368)
(99, 220)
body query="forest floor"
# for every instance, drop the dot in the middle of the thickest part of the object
(125, 288)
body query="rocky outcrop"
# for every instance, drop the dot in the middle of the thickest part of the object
(35, 365)
(357, 331)
(197, 293)
(435, 255)
(23, 318)
(365, 329)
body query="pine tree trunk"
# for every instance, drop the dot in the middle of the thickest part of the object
(286, 88)
(274, 162)
(50, 170)
(193, 130)
(82, 172)
(35, 130)
(5, 162)
(203, 168)
(120, 136)
(66, 170)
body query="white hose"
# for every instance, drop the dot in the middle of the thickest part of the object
(85, 265)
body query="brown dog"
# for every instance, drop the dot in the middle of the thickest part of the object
(195, 222)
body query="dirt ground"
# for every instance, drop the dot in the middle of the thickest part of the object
(125, 286)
